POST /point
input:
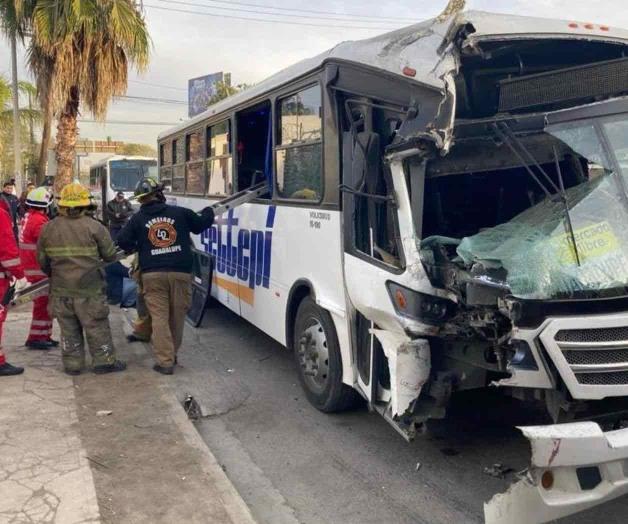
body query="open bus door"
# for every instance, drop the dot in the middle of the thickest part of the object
(380, 252)
(202, 275)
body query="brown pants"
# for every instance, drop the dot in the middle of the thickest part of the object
(168, 297)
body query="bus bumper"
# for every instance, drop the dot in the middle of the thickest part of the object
(574, 467)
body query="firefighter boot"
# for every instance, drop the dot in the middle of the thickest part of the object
(6, 370)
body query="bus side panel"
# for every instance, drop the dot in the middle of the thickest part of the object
(298, 244)
(283, 244)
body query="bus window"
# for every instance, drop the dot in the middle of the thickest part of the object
(125, 174)
(219, 159)
(165, 177)
(93, 178)
(194, 168)
(167, 153)
(299, 145)
(178, 161)
(371, 212)
(254, 146)
(194, 147)
(174, 152)
(178, 179)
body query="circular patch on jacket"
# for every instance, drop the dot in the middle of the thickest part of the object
(162, 234)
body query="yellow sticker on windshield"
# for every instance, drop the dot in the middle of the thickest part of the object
(592, 241)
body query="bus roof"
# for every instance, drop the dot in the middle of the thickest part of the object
(420, 47)
(103, 161)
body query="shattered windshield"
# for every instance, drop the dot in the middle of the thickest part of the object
(546, 258)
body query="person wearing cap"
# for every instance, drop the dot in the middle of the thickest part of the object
(160, 233)
(36, 204)
(10, 269)
(71, 250)
(118, 212)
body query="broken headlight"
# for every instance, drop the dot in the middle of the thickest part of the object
(419, 306)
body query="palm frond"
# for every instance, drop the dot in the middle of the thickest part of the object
(90, 47)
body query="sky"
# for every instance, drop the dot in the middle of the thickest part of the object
(188, 45)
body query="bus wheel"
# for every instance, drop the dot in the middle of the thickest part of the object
(317, 355)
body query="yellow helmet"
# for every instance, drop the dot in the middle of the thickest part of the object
(75, 195)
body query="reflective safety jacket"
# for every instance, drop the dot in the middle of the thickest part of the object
(33, 223)
(10, 265)
(71, 250)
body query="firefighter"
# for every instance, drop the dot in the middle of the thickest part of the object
(36, 205)
(160, 233)
(71, 249)
(10, 267)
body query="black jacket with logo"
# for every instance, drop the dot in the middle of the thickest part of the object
(160, 233)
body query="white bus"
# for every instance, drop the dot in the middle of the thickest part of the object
(447, 211)
(118, 173)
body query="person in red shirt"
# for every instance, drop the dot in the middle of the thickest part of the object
(10, 267)
(36, 203)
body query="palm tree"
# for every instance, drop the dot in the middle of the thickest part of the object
(79, 52)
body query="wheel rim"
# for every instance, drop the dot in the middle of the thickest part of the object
(313, 355)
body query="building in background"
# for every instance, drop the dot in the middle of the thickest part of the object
(88, 152)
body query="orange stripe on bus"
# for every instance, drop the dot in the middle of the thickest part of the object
(245, 293)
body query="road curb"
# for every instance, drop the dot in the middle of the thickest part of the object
(233, 503)
(231, 499)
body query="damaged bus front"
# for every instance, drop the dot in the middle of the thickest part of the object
(491, 248)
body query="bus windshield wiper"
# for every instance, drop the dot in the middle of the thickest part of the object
(508, 137)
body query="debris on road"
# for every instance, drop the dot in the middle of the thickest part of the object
(103, 413)
(192, 408)
(418, 466)
(497, 470)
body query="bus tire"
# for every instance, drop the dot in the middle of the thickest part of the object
(318, 360)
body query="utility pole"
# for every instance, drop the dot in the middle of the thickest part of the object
(17, 146)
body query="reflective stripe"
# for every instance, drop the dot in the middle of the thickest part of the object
(28, 247)
(12, 262)
(72, 251)
(39, 332)
(34, 273)
(45, 323)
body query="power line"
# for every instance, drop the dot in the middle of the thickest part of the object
(352, 15)
(289, 15)
(263, 20)
(151, 99)
(127, 122)
(158, 85)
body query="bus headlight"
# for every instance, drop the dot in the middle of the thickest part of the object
(419, 306)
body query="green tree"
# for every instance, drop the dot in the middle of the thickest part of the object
(224, 90)
(80, 52)
(139, 150)
(28, 118)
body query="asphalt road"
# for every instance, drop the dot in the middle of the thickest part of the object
(292, 463)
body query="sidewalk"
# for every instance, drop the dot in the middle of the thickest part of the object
(61, 461)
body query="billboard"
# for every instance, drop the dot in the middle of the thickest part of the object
(200, 91)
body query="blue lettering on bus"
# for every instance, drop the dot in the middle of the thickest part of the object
(245, 255)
